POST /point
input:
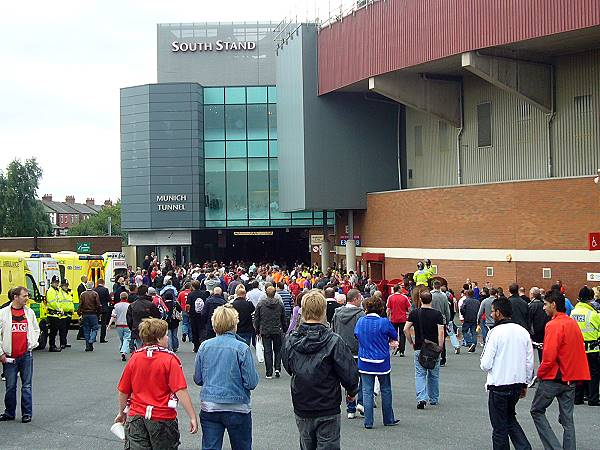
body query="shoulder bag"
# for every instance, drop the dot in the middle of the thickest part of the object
(430, 351)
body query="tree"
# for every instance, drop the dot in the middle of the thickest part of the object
(97, 225)
(21, 214)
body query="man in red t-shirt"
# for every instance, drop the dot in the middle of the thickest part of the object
(19, 334)
(186, 328)
(149, 409)
(398, 306)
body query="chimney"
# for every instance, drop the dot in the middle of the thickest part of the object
(90, 201)
(47, 197)
(70, 199)
(108, 202)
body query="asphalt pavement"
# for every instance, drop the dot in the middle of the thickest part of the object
(75, 402)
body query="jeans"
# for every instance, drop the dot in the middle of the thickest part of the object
(23, 367)
(351, 406)
(186, 326)
(501, 406)
(272, 344)
(319, 433)
(399, 327)
(368, 387)
(173, 340)
(427, 381)
(247, 337)
(470, 333)
(484, 330)
(90, 328)
(125, 338)
(545, 393)
(238, 426)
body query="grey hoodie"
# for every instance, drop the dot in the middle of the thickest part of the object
(269, 317)
(343, 323)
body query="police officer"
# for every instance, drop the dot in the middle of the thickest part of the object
(421, 278)
(67, 307)
(589, 323)
(54, 312)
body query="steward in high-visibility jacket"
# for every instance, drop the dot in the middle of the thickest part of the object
(65, 301)
(588, 320)
(54, 313)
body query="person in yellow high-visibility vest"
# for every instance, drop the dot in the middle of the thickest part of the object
(67, 307)
(53, 313)
(421, 278)
(588, 320)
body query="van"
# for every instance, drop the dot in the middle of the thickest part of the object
(115, 266)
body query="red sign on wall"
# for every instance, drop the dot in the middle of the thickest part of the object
(594, 241)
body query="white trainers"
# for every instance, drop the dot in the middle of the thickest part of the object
(351, 415)
(360, 409)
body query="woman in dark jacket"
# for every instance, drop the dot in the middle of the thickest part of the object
(173, 319)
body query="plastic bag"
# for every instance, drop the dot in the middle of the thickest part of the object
(260, 350)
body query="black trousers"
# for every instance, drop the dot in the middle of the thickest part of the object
(399, 327)
(63, 330)
(197, 331)
(272, 344)
(104, 319)
(591, 387)
(501, 406)
(54, 325)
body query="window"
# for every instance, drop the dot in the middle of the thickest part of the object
(235, 96)
(214, 96)
(237, 188)
(484, 124)
(258, 188)
(214, 185)
(272, 94)
(214, 123)
(583, 104)
(214, 149)
(258, 149)
(546, 273)
(257, 94)
(443, 136)
(489, 271)
(258, 122)
(236, 149)
(235, 122)
(418, 140)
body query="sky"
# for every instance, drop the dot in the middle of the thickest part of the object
(63, 62)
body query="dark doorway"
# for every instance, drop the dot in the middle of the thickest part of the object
(284, 246)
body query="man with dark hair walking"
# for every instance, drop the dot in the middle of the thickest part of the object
(520, 307)
(564, 364)
(508, 360)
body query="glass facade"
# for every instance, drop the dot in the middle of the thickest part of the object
(241, 166)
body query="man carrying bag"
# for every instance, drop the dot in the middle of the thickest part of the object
(429, 335)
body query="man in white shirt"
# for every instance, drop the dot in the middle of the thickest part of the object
(508, 360)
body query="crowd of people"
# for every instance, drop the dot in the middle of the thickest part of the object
(328, 325)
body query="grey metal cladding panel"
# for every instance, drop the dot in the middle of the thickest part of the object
(217, 68)
(169, 125)
(181, 171)
(139, 108)
(173, 115)
(127, 198)
(173, 143)
(290, 126)
(134, 90)
(519, 148)
(141, 208)
(134, 100)
(127, 119)
(133, 155)
(436, 164)
(172, 106)
(183, 187)
(182, 154)
(134, 145)
(140, 172)
(576, 127)
(134, 127)
(171, 97)
(135, 136)
(134, 181)
(171, 88)
(139, 189)
(135, 163)
(345, 131)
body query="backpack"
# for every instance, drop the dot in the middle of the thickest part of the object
(199, 305)
(162, 307)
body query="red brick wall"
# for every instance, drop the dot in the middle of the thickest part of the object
(537, 215)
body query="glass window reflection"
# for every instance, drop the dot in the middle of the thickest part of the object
(214, 121)
(214, 185)
(237, 189)
(258, 188)
(257, 122)
(235, 95)
(235, 122)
